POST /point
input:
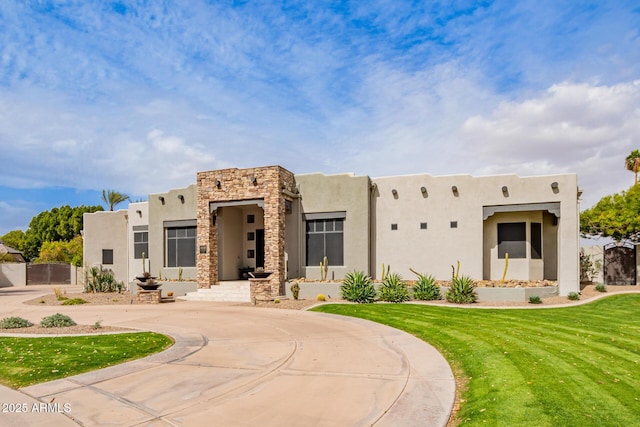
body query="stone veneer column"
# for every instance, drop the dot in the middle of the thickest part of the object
(236, 185)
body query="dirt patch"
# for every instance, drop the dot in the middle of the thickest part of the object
(106, 298)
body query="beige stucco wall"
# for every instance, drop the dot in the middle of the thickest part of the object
(106, 230)
(13, 274)
(173, 209)
(138, 216)
(230, 242)
(337, 193)
(437, 248)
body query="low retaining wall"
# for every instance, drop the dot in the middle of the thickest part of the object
(309, 290)
(178, 288)
(13, 274)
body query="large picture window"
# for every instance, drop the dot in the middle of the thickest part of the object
(512, 239)
(181, 246)
(325, 237)
(140, 244)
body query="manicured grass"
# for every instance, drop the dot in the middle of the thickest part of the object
(574, 366)
(27, 361)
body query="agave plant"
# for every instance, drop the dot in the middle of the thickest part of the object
(358, 287)
(393, 289)
(462, 290)
(426, 288)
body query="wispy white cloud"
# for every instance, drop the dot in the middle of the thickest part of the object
(584, 128)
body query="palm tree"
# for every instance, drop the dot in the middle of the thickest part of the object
(113, 198)
(632, 163)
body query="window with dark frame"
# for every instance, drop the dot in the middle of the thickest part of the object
(423, 226)
(181, 247)
(325, 237)
(251, 219)
(251, 235)
(453, 224)
(140, 244)
(512, 239)
(107, 256)
(536, 240)
(394, 226)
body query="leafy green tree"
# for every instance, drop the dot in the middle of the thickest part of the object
(14, 239)
(113, 198)
(69, 252)
(616, 216)
(632, 163)
(56, 225)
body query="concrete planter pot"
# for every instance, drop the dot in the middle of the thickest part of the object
(178, 288)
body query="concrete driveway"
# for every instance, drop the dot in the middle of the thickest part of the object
(243, 366)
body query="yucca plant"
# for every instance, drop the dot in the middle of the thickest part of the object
(358, 287)
(426, 289)
(462, 290)
(393, 289)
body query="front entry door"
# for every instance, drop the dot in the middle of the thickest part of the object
(260, 248)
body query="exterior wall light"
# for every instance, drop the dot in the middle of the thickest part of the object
(394, 192)
(139, 212)
(554, 186)
(161, 199)
(505, 191)
(423, 190)
(253, 180)
(181, 197)
(217, 183)
(454, 189)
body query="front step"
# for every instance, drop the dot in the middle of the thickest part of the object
(236, 291)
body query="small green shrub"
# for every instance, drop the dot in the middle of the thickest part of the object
(321, 297)
(426, 289)
(14, 323)
(74, 301)
(600, 287)
(295, 290)
(573, 296)
(276, 301)
(535, 299)
(56, 321)
(462, 290)
(393, 289)
(358, 287)
(97, 325)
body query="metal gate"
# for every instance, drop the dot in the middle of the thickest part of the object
(619, 264)
(48, 274)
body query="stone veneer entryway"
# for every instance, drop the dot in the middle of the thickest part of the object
(268, 187)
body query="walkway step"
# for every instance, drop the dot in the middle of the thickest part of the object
(236, 291)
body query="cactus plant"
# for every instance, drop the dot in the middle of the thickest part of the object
(506, 266)
(324, 269)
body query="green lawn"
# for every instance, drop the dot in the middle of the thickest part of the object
(574, 366)
(27, 361)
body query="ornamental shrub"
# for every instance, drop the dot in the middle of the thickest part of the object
(393, 289)
(358, 287)
(462, 290)
(535, 299)
(321, 297)
(74, 301)
(600, 287)
(57, 321)
(573, 296)
(14, 323)
(426, 288)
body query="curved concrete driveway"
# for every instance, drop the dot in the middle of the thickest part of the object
(243, 366)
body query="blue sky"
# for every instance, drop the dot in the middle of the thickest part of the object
(138, 96)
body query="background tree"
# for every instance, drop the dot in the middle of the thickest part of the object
(113, 198)
(616, 216)
(69, 252)
(15, 239)
(57, 225)
(632, 163)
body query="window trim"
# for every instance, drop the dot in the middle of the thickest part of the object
(522, 253)
(167, 239)
(316, 218)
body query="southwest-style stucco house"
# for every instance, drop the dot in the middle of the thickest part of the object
(234, 220)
